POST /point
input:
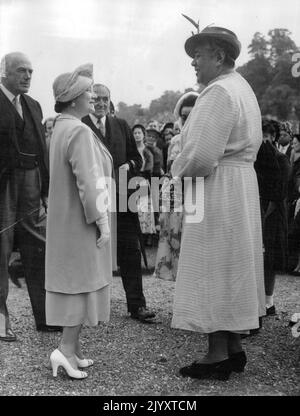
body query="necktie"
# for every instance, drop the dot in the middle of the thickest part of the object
(101, 127)
(17, 104)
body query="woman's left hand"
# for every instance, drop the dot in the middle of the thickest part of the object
(104, 235)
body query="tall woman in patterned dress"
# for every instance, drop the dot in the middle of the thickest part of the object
(220, 283)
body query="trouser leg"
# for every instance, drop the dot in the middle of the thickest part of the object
(33, 260)
(129, 261)
(269, 278)
(31, 240)
(5, 252)
(6, 243)
(269, 272)
(7, 218)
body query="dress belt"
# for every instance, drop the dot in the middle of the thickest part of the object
(236, 163)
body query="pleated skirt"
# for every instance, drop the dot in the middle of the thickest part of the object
(89, 308)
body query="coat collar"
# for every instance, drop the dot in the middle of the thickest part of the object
(67, 117)
(7, 93)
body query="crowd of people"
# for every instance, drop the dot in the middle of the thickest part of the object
(77, 202)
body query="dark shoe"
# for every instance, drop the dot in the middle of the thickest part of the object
(9, 336)
(16, 271)
(271, 311)
(142, 314)
(238, 361)
(48, 328)
(219, 371)
(253, 331)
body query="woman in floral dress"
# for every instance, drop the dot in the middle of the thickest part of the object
(171, 221)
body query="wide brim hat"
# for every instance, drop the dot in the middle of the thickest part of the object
(182, 99)
(214, 32)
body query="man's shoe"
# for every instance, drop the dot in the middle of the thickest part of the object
(271, 311)
(48, 328)
(9, 336)
(142, 314)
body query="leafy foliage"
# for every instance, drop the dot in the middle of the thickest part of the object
(160, 109)
(269, 72)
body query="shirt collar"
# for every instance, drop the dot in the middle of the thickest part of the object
(95, 119)
(8, 94)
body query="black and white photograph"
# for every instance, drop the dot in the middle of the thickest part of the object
(149, 201)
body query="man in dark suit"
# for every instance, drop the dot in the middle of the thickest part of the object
(23, 184)
(118, 138)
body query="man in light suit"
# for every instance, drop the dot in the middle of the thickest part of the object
(23, 184)
(117, 136)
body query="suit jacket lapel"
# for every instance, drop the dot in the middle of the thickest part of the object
(112, 129)
(36, 117)
(87, 120)
(8, 109)
(8, 105)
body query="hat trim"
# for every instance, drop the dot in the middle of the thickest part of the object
(191, 42)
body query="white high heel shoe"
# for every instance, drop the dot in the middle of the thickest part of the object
(84, 363)
(57, 359)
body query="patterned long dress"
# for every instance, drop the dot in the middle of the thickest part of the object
(220, 282)
(167, 256)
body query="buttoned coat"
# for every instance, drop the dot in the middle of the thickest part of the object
(80, 170)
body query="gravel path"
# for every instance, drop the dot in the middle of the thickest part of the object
(139, 359)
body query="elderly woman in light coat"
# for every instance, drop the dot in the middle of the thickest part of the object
(220, 287)
(78, 245)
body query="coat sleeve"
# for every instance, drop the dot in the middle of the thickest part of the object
(208, 132)
(148, 160)
(285, 170)
(273, 170)
(132, 154)
(89, 173)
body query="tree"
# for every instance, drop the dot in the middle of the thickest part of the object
(280, 44)
(279, 100)
(269, 72)
(164, 106)
(131, 113)
(259, 46)
(259, 73)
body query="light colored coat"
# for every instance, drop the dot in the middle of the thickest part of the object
(220, 284)
(78, 165)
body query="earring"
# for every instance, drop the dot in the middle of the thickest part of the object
(73, 104)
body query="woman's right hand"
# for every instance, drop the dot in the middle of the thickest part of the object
(104, 235)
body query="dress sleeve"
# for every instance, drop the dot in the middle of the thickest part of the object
(208, 132)
(88, 170)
